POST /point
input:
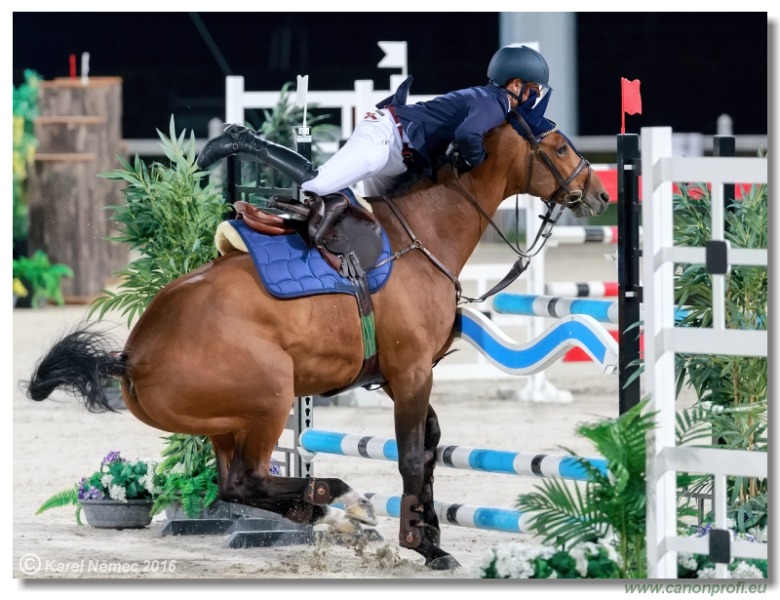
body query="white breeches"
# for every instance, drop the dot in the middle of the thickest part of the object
(373, 155)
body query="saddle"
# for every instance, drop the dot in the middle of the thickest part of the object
(347, 235)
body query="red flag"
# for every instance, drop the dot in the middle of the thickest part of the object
(631, 100)
(632, 97)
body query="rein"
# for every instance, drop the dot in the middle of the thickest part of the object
(549, 219)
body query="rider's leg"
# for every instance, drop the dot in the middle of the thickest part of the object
(373, 151)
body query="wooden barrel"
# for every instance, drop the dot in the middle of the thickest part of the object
(79, 133)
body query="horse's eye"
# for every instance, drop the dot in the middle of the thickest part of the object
(562, 150)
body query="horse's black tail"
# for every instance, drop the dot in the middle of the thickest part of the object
(81, 363)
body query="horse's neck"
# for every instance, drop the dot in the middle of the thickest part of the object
(446, 222)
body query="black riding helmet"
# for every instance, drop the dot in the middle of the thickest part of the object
(518, 61)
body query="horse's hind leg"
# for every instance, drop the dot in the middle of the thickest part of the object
(300, 499)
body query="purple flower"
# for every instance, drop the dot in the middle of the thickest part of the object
(111, 457)
(88, 492)
(276, 469)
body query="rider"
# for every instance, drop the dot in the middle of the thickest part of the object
(374, 153)
(387, 139)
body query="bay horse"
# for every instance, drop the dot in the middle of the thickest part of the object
(215, 354)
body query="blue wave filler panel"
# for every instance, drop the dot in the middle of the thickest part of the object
(525, 359)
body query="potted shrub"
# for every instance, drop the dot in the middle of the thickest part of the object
(118, 495)
(41, 279)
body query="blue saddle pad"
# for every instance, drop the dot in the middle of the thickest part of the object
(290, 269)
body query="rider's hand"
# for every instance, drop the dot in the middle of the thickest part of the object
(457, 160)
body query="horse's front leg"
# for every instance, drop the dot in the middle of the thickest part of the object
(431, 443)
(419, 530)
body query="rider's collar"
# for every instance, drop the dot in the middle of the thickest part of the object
(533, 114)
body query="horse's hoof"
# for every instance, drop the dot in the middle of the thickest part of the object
(443, 563)
(345, 527)
(362, 511)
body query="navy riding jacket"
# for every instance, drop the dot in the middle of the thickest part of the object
(463, 116)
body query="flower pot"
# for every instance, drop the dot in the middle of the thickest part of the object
(112, 514)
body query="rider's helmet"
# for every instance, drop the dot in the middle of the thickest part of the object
(518, 61)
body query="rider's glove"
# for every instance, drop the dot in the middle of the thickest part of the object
(457, 160)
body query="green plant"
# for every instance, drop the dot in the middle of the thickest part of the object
(731, 391)
(117, 479)
(279, 122)
(25, 110)
(611, 503)
(41, 278)
(170, 216)
(188, 473)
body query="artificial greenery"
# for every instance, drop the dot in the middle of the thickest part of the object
(41, 279)
(25, 110)
(610, 503)
(189, 475)
(731, 391)
(170, 216)
(279, 122)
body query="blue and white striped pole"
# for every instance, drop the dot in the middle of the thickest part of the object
(313, 441)
(464, 515)
(604, 311)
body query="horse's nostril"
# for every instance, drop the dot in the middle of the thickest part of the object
(604, 197)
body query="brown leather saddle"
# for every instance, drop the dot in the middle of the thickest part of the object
(340, 230)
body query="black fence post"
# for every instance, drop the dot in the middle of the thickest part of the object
(629, 251)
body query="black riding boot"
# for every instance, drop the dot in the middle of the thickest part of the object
(241, 139)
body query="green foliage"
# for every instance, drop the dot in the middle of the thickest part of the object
(731, 391)
(41, 278)
(613, 502)
(169, 218)
(64, 498)
(189, 475)
(25, 110)
(279, 122)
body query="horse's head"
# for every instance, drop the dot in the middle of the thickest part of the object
(553, 170)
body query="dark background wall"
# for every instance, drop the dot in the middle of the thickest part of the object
(693, 66)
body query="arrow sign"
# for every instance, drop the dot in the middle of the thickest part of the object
(395, 55)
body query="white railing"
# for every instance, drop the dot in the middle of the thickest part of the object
(663, 340)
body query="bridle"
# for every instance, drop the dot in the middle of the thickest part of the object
(570, 199)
